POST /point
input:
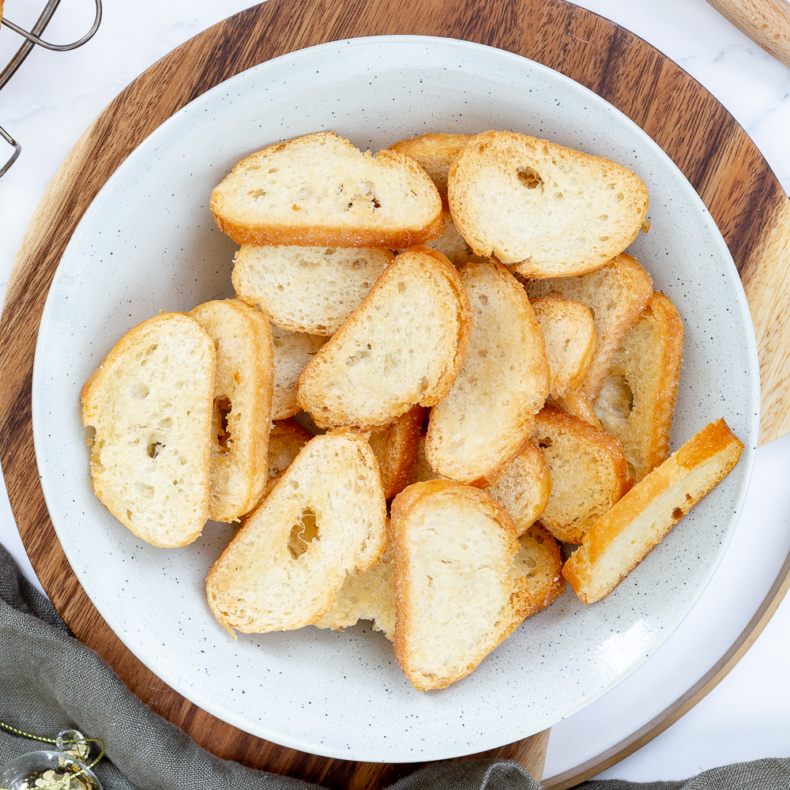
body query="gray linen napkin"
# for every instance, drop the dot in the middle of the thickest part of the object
(49, 681)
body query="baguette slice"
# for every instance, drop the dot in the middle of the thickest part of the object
(292, 353)
(286, 440)
(524, 489)
(323, 520)
(569, 331)
(401, 347)
(537, 570)
(589, 473)
(483, 423)
(367, 595)
(434, 153)
(625, 535)
(616, 294)
(307, 289)
(242, 405)
(395, 449)
(455, 597)
(319, 190)
(150, 403)
(551, 211)
(637, 400)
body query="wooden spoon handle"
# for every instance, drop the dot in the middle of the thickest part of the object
(766, 22)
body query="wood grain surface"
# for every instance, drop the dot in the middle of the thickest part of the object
(716, 155)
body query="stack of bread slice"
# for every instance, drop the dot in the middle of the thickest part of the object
(450, 326)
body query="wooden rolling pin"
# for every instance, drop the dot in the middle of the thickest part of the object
(766, 22)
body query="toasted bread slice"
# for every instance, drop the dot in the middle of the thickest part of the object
(624, 536)
(150, 403)
(434, 153)
(616, 294)
(324, 520)
(569, 331)
(395, 449)
(538, 569)
(483, 423)
(307, 289)
(588, 469)
(453, 246)
(319, 190)
(455, 597)
(286, 440)
(401, 347)
(637, 399)
(551, 211)
(367, 595)
(524, 488)
(577, 404)
(242, 405)
(292, 353)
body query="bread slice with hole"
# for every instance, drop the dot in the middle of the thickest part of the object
(434, 153)
(150, 405)
(293, 351)
(616, 294)
(455, 596)
(524, 488)
(550, 211)
(624, 536)
(395, 449)
(569, 332)
(307, 289)
(537, 570)
(324, 519)
(589, 473)
(319, 190)
(401, 347)
(637, 400)
(242, 405)
(367, 595)
(286, 439)
(483, 423)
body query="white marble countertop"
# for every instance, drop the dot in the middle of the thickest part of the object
(55, 96)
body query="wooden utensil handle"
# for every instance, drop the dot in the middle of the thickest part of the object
(766, 22)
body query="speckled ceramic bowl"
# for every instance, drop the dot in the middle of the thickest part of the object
(148, 243)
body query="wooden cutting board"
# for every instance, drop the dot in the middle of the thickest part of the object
(742, 194)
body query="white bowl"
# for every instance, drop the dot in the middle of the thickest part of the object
(148, 243)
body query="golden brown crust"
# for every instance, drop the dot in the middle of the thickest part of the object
(395, 449)
(317, 236)
(661, 498)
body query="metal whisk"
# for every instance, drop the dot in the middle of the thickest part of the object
(33, 38)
